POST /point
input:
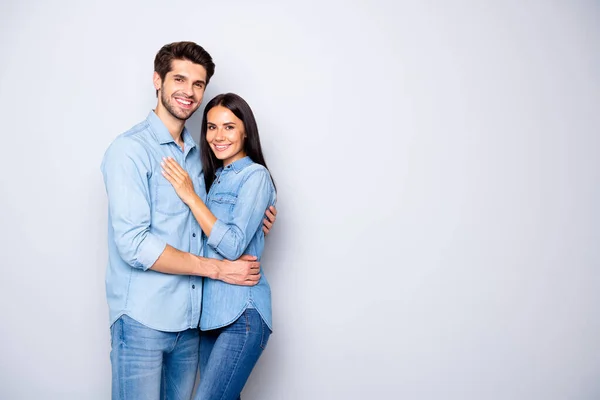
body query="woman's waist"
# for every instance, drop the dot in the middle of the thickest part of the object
(218, 289)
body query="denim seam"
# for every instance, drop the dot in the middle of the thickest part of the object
(120, 364)
(245, 178)
(262, 333)
(236, 367)
(128, 287)
(172, 383)
(175, 342)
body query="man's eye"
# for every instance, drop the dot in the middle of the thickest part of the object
(199, 85)
(178, 80)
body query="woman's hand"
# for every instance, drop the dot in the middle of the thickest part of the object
(180, 180)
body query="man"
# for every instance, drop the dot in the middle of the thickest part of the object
(154, 276)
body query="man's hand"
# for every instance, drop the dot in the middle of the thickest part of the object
(268, 222)
(245, 271)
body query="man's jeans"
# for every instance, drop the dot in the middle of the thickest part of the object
(152, 365)
(228, 354)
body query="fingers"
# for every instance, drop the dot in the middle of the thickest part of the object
(176, 167)
(271, 214)
(169, 167)
(248, 257)
(248, 282)
(267, 225)
(253, 280)
(169, 177)
(268, 222)
(253, 276)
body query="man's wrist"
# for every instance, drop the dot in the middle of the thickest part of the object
(208, 267)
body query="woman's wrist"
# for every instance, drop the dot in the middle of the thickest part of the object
(192, 200)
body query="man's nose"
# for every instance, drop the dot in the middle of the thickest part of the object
(188, 90)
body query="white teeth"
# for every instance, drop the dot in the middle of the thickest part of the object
(187, 103)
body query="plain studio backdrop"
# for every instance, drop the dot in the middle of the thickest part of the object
(438, 174)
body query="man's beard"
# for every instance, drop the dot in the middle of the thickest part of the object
(176, 112)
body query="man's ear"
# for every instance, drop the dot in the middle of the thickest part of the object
(156, 80)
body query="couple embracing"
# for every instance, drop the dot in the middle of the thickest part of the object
(186, 231)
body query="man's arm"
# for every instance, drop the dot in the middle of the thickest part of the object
(125, 169)
(244, 271)
(268, 222)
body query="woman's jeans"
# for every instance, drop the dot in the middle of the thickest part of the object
(152, 365)
(228, 354)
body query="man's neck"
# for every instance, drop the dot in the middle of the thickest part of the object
(174, 125)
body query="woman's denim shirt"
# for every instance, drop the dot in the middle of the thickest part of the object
(238, 198)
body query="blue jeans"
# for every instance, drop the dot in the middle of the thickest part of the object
(228, 354)
(152, 365)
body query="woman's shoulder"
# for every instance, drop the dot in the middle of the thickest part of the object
(256, 170)
(257, 173)
(255, 167)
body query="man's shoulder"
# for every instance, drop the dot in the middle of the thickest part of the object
(135, 138)
(138, 133)
(134, 144)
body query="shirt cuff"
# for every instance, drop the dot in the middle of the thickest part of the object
(217, 233)
(150, 249)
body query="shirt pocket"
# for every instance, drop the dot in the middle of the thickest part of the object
(166, 200)
(221, 204)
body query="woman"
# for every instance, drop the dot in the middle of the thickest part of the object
(235, 320)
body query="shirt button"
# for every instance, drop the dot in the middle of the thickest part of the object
(218, 181)
(193, 286)
(193, 235)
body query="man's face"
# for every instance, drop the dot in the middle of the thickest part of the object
(181, 92)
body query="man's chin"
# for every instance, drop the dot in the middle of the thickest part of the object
(182, 115)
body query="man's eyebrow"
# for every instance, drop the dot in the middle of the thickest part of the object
(185, 78)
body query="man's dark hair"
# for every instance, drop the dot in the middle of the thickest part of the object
(182, 51)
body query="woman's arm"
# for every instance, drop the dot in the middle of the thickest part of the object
(255, 194)
(184, 187)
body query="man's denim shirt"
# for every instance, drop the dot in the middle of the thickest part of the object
(238, 198)
(144, 215)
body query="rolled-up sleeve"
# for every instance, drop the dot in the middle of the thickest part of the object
(125, 168)
(254, 196)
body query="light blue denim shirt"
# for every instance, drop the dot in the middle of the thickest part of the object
(144, 215)
(238, 199)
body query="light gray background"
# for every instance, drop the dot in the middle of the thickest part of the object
(438, 174)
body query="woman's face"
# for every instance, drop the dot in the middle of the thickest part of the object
(225, 134)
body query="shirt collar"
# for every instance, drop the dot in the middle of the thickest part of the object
(164, 136)
(239, 165)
